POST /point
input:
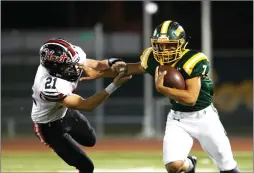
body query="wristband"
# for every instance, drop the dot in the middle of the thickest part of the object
(111, 88)
(112, 61)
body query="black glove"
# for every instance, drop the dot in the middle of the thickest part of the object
(112, 61)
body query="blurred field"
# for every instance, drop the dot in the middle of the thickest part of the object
(111, 155)
(120, 160)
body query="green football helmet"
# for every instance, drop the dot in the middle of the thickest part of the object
(168, 42)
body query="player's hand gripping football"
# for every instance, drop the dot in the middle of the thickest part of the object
(121, 79)
(159, 79)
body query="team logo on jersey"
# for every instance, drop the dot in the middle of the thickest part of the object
(49, 56)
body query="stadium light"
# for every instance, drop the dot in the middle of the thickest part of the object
(151, 7)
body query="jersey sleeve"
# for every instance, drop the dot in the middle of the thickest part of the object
(55, 89)
(197, 65)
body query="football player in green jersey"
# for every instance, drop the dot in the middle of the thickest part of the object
(193, 115)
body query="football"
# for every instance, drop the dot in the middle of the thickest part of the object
(173, 78)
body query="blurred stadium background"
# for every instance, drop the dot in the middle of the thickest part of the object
(130, 124)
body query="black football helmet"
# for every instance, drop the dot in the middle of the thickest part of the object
(60, 59)
(168, 42)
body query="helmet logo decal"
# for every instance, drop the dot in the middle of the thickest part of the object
(62, 58)
(49, 55)
(178, 31)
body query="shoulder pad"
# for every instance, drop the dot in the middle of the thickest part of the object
(191, 63)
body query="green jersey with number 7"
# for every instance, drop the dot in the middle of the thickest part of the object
(191, 64)
(195, 118)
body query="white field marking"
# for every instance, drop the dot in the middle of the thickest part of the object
(144, 170)
(205, 161)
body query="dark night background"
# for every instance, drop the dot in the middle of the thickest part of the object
(231, 21)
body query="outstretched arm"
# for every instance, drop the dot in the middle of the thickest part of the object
(131, 69)
(97, 65)
(103, 64)
(77, 102)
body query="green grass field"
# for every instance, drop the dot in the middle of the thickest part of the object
(131, 161)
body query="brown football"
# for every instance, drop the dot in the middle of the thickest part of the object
(173, 78)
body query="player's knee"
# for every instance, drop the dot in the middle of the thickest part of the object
(174, 167)
(92, 140)
(235, 170)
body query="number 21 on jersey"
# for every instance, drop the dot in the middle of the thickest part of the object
(50, 83)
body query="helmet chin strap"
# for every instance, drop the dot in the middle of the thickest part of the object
(185, 45)
(187, 41)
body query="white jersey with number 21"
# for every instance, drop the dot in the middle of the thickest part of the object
(48, 90)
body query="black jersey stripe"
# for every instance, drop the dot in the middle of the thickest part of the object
(52, 98)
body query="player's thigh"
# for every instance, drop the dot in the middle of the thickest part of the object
(177, 143)
(79, 128)
(215, 142)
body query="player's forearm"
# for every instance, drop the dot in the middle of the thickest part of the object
(132, 69)
(94, 101)
(182, 96)
(102, 65)
(97, 65)
(77, 102)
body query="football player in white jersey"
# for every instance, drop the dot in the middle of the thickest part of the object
(57, 121)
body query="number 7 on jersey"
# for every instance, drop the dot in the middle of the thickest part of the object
(204, 67)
